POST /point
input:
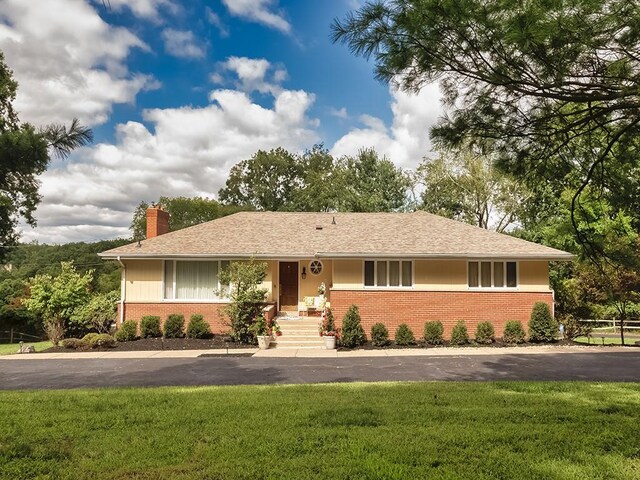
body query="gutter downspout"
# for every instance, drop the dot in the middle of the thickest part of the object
(123, 277)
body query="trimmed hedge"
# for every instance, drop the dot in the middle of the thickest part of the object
(197, 327)
(433, 332)
(513, 332)
(102, 340)
(73, 343)
(404, 335)
(352, 331)
(459, 335)
(379, 335)
(88, 337)
(127, 332)
(542, 326)
(150, 327)
(485, 333)
(174, 326)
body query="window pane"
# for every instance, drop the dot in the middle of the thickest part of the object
(168, 279)
(407, 277)
(473, 274)
(382, 274)
(498, 274)
(512, 276)
(368, 274)
(485, 274)
(196, 280)
(394, 274)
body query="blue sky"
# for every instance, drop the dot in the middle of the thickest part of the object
(178, 92)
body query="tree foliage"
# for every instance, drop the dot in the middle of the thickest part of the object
(352, 334)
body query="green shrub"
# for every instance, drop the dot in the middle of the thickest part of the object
(379, 335)
(127, 332)
(150, 326)
(574, 328)
(73, 344)
(433, 332)
(542, 326)
(103, 340)
(513, 332)
(352, 331)
(404, 335)
(459, 335)
(174, 326)
(485, 333)
(88, 337)
(197, 327)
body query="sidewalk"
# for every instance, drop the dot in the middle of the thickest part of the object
(321, 353)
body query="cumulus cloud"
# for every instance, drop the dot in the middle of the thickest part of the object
(406, 142)
(340, 113)
(68, 62)
(182, 44)
(258, 11)
(184, 151)
(147, 9)
(251, 75)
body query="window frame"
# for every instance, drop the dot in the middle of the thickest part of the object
(387, 286)
(321, 268)
(504, 274)
(191, 300)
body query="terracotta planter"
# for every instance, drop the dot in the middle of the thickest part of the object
(264, 341)
(329, 342)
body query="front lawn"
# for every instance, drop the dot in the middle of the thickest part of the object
(9, 348)
(384, 430)
(598, 340)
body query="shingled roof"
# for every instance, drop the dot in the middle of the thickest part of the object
(282, 235)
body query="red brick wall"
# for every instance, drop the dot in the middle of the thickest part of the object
(212, 312)
(157, 222)
(415, 308)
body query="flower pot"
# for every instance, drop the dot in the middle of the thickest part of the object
(329, 342)
(263, 341)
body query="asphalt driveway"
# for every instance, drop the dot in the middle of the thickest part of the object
(151, 372)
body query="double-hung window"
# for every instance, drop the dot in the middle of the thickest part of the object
(388, 273)
(194, 280)
(485, 274)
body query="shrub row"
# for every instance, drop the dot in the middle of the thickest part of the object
(90, 340)
(542, 328)
(173, 328)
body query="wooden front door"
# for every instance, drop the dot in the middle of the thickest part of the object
(288, 286)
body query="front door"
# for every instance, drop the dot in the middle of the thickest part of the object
(288, 286)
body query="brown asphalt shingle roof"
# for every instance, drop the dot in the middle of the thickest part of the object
(294, 235)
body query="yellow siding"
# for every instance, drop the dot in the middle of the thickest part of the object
(534, 276)
(143, 280)
(347, 274)
(309, 286)
(269, 283)
(440, 275)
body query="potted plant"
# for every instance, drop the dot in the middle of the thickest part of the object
(273, 328)
(322, 289)
(328, 330)
(260, 329)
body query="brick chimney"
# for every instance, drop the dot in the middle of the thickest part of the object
(157, 221)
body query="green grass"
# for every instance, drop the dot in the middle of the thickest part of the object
(9, 348)
(378, 431)
(597, 340)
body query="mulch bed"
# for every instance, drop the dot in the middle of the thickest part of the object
(496, 344)
(146, 344)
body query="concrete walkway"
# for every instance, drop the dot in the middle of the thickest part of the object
(321, 353)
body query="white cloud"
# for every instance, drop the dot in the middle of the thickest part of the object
(185, 151)
(258, 11)
(68, 61)
(340, 113)
(147, 9)
(251, 74)
(214, 19)
(406, 142)
(182, 44)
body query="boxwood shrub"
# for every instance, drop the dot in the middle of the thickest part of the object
(379, 335)
(174, 326)
(433, 332)
(459, 335)
(404, 335)
(352, 331)
(150, 327)
(513, 332)
(127, 332)
(485, 333)
(198, 328)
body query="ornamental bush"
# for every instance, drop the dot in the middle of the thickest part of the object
(88, 337)
(103, 340)
(150, 327)
(73, 344)
(433, 332)
(513, 332)
(174, 326)
(542, 326)
(197, 327)
(379, 335)
(404, 335)
(127, 332)
(459, 335)
(485, 333)
(352, 331)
